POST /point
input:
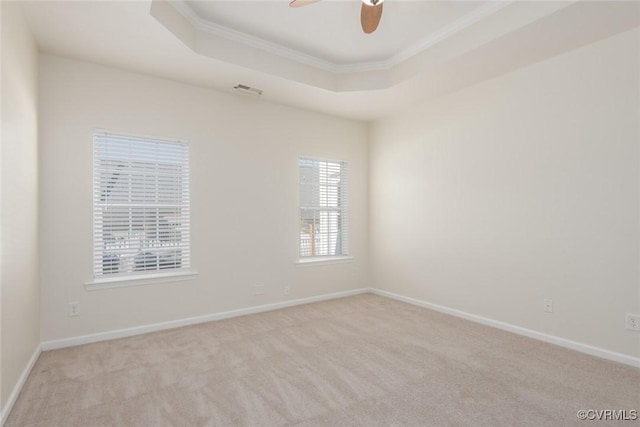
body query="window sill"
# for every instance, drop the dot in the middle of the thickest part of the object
(148, 279)
(309, 262)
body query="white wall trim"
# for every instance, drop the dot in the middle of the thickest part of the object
(132, 280)
(4, 414)
(562, 342)
(322, 260)
(138, 330)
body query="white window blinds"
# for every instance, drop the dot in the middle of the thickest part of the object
(324, 208)
(140, 206)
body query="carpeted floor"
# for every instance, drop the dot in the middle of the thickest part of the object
(359, 361)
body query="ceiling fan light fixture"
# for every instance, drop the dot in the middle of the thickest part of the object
(372, 2)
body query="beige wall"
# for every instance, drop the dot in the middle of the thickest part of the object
(244, 196)
(19, 290)
(518, 189)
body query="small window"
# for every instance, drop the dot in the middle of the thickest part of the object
(140, 206)
(324, 208)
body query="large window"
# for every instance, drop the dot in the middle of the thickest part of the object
(140, 206)
(324, 208)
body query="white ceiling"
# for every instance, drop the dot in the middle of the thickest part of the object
(330, 30)
(311, 46)
(147, 37)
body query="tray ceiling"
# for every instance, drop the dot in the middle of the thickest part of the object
(330, 30)
(462, 47)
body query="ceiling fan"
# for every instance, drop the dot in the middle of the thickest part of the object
(370, 13)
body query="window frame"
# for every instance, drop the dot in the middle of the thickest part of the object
(309, 261)
(152, 276)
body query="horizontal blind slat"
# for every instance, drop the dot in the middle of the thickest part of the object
(141, 205)
(324, 214)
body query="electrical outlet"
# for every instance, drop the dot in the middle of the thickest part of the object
(287, 290)
(74, 309)
(547, 305)
(633, 322)
(258, 289)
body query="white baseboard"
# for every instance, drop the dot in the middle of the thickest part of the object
(4, 414)
(121, 333)
(562, 342)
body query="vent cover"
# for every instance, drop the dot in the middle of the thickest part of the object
(248, 90)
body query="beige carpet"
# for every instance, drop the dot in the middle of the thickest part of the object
(358, 361)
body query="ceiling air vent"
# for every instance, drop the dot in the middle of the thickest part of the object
(248, 90)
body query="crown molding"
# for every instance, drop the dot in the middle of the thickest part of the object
(450, 30)
(230, 34)
(248, 40)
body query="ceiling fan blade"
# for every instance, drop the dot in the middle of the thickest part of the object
(370, 17)
(298, 3)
